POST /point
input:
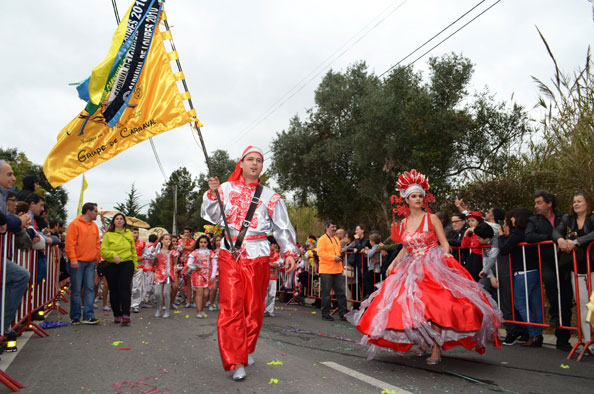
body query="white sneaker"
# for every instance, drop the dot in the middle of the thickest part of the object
(166, 314)
(95, 306)
(135, 309)
(188, 305)
(251, 360)
(239, 373)
(173, 306)
(207, 303)
(200, 316)
(158, 313)
(193, 305)
(210, 308)
(163, 307)
(106, 308)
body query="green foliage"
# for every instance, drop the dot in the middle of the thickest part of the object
(305, 221)
(221, 166)
(131, 206)
(160, 212)
(56, 198)
(189, 195)
(363, 132)
(565, 155)
(561, 158)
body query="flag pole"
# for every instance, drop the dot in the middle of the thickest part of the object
(206, 158)
(197, 127)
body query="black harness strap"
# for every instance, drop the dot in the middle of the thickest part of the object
(248, 218)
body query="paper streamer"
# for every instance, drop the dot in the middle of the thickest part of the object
(150, 389)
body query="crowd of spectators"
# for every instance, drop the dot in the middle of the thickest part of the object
(511, 254)
(515, 252)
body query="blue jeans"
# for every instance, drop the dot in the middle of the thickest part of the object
(84, 275)
(534, 300)
(17, 280)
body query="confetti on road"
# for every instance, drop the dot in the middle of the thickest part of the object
(117, 343)
(273, 381)
(177, 312)
(275, 362)
(564, 366)
(125, 348)
(187, 316)
(142, 384)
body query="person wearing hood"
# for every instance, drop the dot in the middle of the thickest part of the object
(30, 185)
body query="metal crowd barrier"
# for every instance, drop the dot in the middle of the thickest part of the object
(517, 320)
(289, 285)
(39, 298)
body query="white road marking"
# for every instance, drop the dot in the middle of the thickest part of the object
(365, 378)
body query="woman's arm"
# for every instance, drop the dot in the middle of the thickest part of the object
(105, 251)
(396, 260)
(589, 237)
(506, 244)
(440, 234)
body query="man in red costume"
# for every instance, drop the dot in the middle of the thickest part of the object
(243, 279)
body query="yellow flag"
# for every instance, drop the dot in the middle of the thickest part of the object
(156, 106)
(100, 73)
(82, 192)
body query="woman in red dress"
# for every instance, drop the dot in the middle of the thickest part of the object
(429, 300)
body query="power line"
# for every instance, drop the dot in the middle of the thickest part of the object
(445, 39)
(370, 26)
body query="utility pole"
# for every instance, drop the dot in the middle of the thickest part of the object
(174, 226)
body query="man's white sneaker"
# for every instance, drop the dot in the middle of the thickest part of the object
(135, 309)
(251, 360)
(200, 316)
(239, 373)
(166, 314)
(158, 313)
(210, 308)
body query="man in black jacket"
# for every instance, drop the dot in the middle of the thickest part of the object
(455, 234)
(540, 228)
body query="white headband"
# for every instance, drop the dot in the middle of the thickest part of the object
(412, 189)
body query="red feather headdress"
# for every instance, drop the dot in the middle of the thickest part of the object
(410, 179)
(409, 182)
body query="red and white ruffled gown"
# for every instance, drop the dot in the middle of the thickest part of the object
(426, 286)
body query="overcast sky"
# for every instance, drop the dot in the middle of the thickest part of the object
(241, 57)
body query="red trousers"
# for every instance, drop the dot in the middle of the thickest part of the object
(242, 291)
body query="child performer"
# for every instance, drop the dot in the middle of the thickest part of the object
(275, 262)
(199, 267)
(164, 266)
(213, 288)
